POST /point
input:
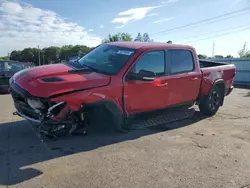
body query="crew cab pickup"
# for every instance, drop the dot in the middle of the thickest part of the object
(121, 80)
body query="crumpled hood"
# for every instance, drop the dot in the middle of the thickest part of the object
(32, 81)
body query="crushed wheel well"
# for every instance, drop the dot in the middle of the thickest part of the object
(104, 111)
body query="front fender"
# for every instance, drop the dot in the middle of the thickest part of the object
(75, 101)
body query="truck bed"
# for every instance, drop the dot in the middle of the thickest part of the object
(207, 63)
(212, 71)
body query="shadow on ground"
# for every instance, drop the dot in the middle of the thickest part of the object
(21, 147)
(4, 93)
(244, 87)
(240, 86)
(247, 95)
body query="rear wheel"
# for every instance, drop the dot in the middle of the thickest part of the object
(211, 103)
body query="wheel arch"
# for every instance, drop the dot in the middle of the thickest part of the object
(107, 107)
(216, 83)
(221, 84)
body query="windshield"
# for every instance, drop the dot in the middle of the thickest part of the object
(107, 59)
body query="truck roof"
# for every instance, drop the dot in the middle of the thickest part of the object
(147, 45)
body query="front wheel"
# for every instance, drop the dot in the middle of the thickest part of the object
(211, 103)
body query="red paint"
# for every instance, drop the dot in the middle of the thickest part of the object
(209, 75)
(30, 80)
(139, 96)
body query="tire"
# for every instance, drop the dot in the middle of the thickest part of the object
(212, 102)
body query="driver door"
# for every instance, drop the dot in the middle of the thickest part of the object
(147, 95)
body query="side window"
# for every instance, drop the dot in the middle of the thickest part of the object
(15, 66)
(151, 61)
(181, 61)
(1, 67)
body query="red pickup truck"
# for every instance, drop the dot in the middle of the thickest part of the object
(119, 81)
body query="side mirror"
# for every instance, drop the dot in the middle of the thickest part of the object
(147, 75)
(142, 75)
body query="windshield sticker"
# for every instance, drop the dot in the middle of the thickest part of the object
(124, 52)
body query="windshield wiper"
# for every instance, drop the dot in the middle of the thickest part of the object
(89, 67)
(76, 63)
(83, 65)
(80, 70)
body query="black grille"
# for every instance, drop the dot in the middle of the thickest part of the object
(25, 109)
(21, 104)
(16, 95)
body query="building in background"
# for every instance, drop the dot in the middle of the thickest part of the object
(242, 69)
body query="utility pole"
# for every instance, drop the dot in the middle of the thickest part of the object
(39, 59)
(8, 56)
(213, 50)
(43, 57)
(244, 47)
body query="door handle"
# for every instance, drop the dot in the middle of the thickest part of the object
(194, 78)
(162, 85)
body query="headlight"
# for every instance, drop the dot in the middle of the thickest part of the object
(35, 104)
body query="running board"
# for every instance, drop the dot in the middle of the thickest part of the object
(162, 119)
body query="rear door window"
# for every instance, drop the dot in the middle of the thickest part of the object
(181, 61)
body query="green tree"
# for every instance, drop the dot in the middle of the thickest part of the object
(118, 37)
(111, 38)
(229, 56)
(69, 51)
(125, 37)
(146, 38)
(78, 49)
(4, 58)
(143, 38)
(244, 52)
(16, 55)
(28, 55)
(138, 37)
(218, 57)
(247, 55)
(66, 52)
(201, 56)
(36, 53)
(51, 54)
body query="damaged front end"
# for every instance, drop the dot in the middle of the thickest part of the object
(53, 119)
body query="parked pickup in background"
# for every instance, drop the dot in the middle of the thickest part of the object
(7, 69)
(119, 82)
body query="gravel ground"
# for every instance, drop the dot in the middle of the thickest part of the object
(198, 152)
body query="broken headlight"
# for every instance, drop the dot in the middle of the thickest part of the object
(35, 104)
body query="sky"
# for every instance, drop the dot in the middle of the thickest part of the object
(29, 23)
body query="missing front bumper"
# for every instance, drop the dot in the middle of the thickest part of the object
(26, 117)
